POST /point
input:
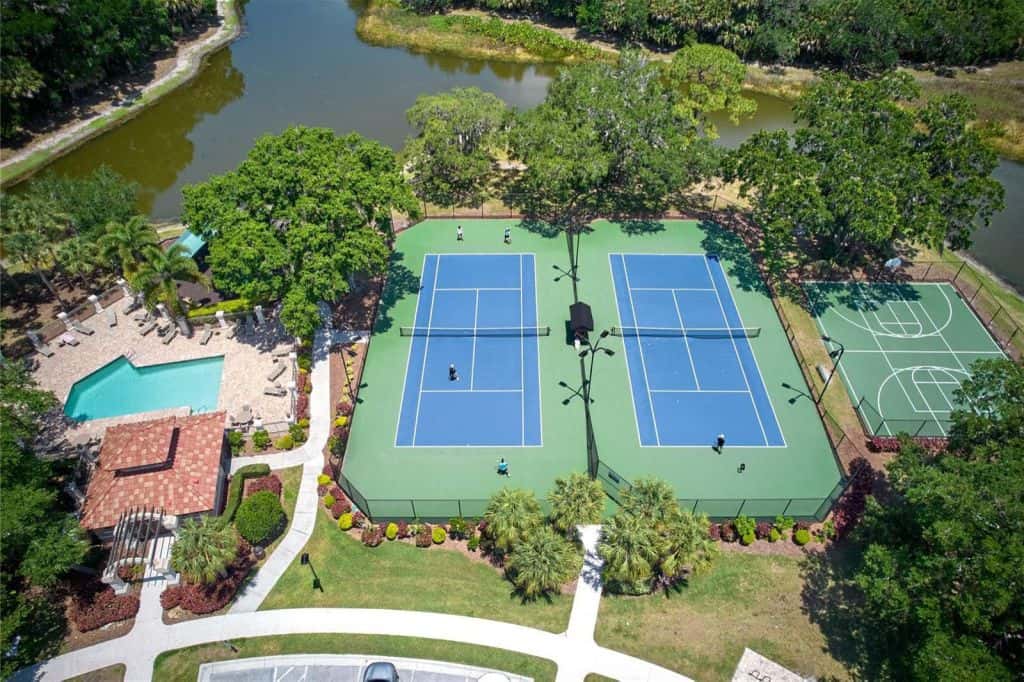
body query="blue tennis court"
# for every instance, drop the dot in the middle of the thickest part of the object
(479, 313)
(691, 368)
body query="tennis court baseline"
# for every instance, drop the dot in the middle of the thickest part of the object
(906, 350)
(478, 313)
(692, 371)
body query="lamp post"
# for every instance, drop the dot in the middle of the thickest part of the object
(836, 356)
(587, 374)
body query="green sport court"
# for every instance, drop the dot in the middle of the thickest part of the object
(424, 445)
(906, 349)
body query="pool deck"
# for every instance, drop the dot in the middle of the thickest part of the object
(247, 362)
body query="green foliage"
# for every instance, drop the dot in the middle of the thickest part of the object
(438, 535)
(261, 439)
(575, 500)
(297, 433)
(260, 518)
(459, 528)
(323, 479)
(452, 155)
(391, 531)
(345, 521)
(340, 421)
(774, 535)
(305, 362)
(125, 244)
(990, 405)
(511, 515)
(523, 34)
(864, 171)
(784, 523)
(802, 536)
(237, 485)
(285, 442)
(159, 273)
(328, 500)
(542, 563)
(711, 81)
(650, 540)
(236, 441)
(235, 305)
(745, 526)
(473, 543)
(304, 213)
(203, 549)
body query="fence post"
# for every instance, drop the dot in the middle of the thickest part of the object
(459, 502)
(959, 270)
(786, 508)
(995, 314)
(412, 503)
(743, 504)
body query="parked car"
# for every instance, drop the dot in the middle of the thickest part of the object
(380, 671)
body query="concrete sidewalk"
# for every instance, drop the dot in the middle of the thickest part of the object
(340, 669)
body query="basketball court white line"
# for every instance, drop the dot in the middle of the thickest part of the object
(928, 352)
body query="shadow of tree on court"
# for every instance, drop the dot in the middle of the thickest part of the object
(401, 282)
(640, 226)
(541, 228)
(868, 297)
(733, 255)
(833, 602)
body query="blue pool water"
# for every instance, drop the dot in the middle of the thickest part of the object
(122, 388)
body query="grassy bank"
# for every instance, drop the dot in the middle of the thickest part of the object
(397, 575)
(183, 664)
(743, 601)
(113, 673)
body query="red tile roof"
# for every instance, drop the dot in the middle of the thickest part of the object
(187, 485)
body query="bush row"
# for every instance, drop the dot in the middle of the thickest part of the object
(539, 41)
(235, 305)
(201, 599)
(746, 530)
(931, 444)
(96, 605)
(237, 486)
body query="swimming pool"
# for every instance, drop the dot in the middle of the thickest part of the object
(121, 388)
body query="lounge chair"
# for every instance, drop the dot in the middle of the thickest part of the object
(170, 335)
(131, 303)
(147, 327)
(232, 331)
(207, 335)
(67, 339)
(111, 318)
(81, 328)
(277, 371)
(277, 391)
(141, 317)
(43, 349)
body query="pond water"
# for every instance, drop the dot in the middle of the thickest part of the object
(300, 61)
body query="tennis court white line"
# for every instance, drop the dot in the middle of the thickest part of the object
(640, 346)
(536, 321)
(673, 289)
(930, 352)
(625, 352)
(697, 390)
(426, 347)
(472, 390)
(522, 362)
(686, 341)
(408, 358)
(472, 356)
(479, 288)
(736, 352)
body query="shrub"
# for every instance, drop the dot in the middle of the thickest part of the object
(96, 605)
(202, 599)
(237, 486)
(744, 526)
(763, 530)
(774, 535)
(714, 531)
(391, 532)
(335, 492)
(305, 362)
(327, 471)
(303, 423)
(261, 440)
(372, 536)
(302, 380)
(803, 525)
(851, 505)
(236, 441)
(260, 518)
(728, 532)
(269, 483)
(783, 523)
(285, 442)
(458, 528)
(747, 539)
(329, 500)
(341, 421)
(438, 535)
(344, 408)
(321, 490)
(358, 519)
(340, 507)
(473, 543)
(802, 536)
(297, 433)
(302, 406)
(424, 538)
(931, 444)
(235, 305)
(827, 531)
(323, 479)
(345, 521)
(403, 530)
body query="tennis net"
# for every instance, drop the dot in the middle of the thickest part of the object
(694, 332)
(475, 331)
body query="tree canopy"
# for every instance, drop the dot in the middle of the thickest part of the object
(304, 213)
(452, 155)
(711, 80)
(865, 170)
(940, 573)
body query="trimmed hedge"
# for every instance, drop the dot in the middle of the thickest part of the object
(237, 486)
(260, 518)
(235, 305)
(391, 532)
(270, 483)
(438, 535)
(345, 521)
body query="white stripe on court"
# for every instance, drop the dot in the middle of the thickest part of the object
(522, 362)
(686, 341)
(640, 346)
(426, 346)
(472, 357)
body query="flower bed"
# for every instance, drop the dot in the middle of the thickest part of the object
(96, 605)
(931, 444)
(202, 599)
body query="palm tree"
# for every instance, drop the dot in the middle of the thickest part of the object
(510, 515)
(32, 228)
(160, 272)
(542, 563)
(576, 500)
(631, 549)
(78, 256)
(651, 499)
(127, 243)
(203, 549)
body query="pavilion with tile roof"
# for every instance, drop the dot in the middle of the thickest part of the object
(173, 464)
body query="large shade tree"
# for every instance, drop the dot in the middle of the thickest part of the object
(452, 157)
(864, 170)
(305, 213)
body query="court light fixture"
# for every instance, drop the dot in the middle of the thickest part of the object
(605, 333)
(563, 384)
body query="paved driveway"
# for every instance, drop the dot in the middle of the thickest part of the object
(328, 668)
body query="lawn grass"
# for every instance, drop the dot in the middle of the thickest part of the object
(396, 575)
(112, 673)
(701, 631)
(183, 664)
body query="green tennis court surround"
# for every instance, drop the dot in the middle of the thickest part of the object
(798, 477)
(906, 348)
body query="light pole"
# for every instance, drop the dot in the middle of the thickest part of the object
(587, 374)
(836, 356)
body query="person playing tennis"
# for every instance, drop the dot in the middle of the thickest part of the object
(453, 374)
(508, 235)
(503, 467)
(458, 233)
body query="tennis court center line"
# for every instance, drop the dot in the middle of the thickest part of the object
(472, 357)
(736, 352)
(625, 349)
(536, 352)
(640, 346)
(426, 348)
(522, 361)
(686, 341)
(408, 357)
